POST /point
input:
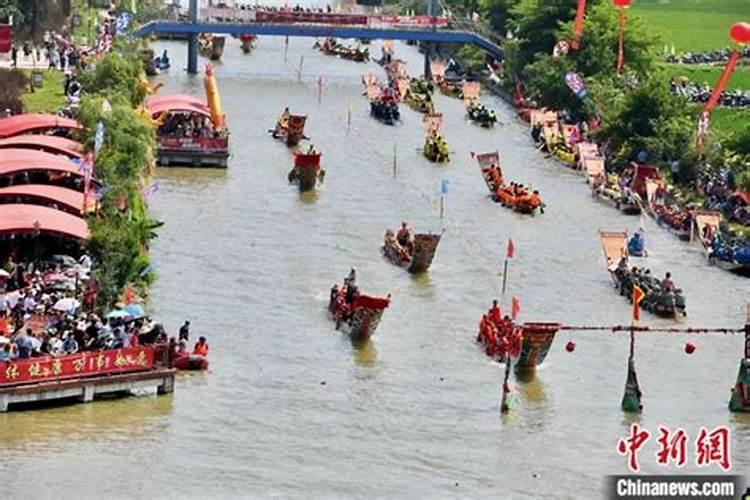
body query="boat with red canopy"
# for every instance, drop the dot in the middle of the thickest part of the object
(527, 344)
(191, 132)
(357, 314)
(47, 143)
(306, 171)
(37, 123)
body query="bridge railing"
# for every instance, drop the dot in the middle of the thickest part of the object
(237, 15)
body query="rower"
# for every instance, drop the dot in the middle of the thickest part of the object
(495, 314)
(404, 234)
(311, 150)
(201, 347)
(535, 200)
(351, 280)
(666, 284)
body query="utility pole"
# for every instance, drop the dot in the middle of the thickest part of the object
(192, 62)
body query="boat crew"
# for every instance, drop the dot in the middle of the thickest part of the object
(667, 285)
(495, 313)
(404, 235)
(201, 347)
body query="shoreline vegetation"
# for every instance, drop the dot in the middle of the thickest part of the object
(639, 116)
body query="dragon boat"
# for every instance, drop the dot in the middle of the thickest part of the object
(525, 344)
(606, 188)
(435, 147)
(290, 128)
(306, 171)
(333, 48)
(514, 196)
(481, 115)
(383, 101)
(416, 256)
(664, 303)
(360, 315)
(211, 46)
(720, 249)
(248, 43)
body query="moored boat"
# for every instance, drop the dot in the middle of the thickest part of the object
(356, 314)
(190, 131)
(607, 188)
(190, 362)
(415, 254)
(290, 128)
(306, 171)
(720, 249)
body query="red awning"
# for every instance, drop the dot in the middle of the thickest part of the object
(13, 161)
(175, 103)
(70, 199)
(24, 219)
(48, 143)
(23, 124)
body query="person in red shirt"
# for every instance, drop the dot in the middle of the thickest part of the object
(495, 314)
(201, 347)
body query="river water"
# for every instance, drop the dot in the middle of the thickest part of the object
(291, 409)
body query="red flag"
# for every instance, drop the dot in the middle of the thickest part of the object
(578, 25)
(515, 308)
(638, 296)
(511, 248)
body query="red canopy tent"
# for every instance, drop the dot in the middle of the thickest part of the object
(24, 124)
(176, 103)
(68, 200)
(25, 219)
(14, 161)
(46, 143)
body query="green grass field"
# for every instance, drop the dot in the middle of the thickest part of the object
(692, 25)
(728, 120)
(740, 78)
(47, 99)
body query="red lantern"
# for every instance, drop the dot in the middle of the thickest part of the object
(622, 4)
(570, 346)
(740, 33)
(689, 347)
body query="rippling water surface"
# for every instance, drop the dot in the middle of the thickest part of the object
(291, 408)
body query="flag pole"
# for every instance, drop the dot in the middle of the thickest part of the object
(505, 273)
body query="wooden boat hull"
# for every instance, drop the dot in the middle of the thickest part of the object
(191, 362)
(387, 114)
(361, 319)
(740, 399)
(293, 132)
(306, 177)
(537, 340)
(425, 247)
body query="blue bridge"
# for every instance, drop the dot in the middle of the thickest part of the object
(430, 32)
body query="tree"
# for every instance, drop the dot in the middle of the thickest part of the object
(650, 119)
(497, 12)
(599, 43)
(536, 24)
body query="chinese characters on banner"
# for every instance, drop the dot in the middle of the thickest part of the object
(76, 365)
(711, 447)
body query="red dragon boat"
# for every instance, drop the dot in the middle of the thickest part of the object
(191, 362)
(527, 344)
(306, 172)
(416, 256)
(290, 129)
(360, 316)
